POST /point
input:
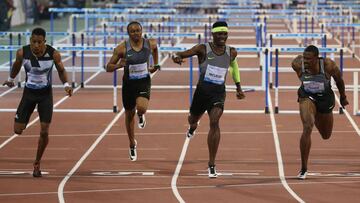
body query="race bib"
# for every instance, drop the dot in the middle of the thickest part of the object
(215, 75)
(138, 71)
(37, 81)
(314, 87)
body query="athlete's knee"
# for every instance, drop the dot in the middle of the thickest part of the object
(308, 126)
(326, 135)
(18, 131)
(19, 128)
(44, 134)
(214, 123)
(141, 110)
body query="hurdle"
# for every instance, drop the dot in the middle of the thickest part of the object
(350, 40)
(300, 50)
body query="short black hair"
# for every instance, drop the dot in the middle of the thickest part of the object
(39, 31)
(131, 23)
(219, 24)
(313, 49)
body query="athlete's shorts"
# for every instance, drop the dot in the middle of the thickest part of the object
(324, 102)
(43, 98)
(205, 101)
(132, 90)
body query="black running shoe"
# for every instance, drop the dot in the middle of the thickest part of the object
(37, 172)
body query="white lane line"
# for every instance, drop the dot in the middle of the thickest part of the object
(180, 133)
(8, 91)
(182, 187)
(278, 153)
(55, 105)
(174, 188)
(82, 159)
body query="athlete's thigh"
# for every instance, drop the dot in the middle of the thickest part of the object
(26, 108)
(199, 103)
(307, 111)
(324, 123)
(45, 108)
(128, 96)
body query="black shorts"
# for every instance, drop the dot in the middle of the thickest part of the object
(134, 89)
(205, 101)
(43, 98)
(324, 103)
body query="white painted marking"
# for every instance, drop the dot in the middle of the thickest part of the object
(278, 153)
(177, 171)
(123, 173)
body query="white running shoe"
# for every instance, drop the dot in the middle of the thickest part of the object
(302, 175)
(142, 121)
(133, 153)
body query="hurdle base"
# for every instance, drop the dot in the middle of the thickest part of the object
(73, 85)
(276, 109)
(82, 85)
(270, 85)
(267, 110)
(19, 85)
(115, 110)
(341, 110)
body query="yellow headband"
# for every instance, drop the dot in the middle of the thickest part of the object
(220, 29)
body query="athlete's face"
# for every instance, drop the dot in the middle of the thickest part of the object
(219, 38)
(310, 60)
(135, 32)
(37, 44)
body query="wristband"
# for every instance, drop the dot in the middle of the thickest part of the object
(10, 79)
(66, 84)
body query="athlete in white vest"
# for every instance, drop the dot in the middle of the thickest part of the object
(38, 60)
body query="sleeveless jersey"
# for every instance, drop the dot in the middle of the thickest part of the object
(137, 61)
(214, 69)
(38, 70)
(315, 84)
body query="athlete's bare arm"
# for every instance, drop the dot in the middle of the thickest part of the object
(155, 55)
(61, 71)
(198, 50)
(296, 65)
(15, 68)
(334, 71)
(118, 54)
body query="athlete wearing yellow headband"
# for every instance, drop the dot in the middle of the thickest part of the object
(214, 58)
